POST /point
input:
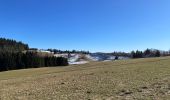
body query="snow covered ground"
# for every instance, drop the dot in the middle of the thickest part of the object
(104, 57)
(82, 58)
(79, 62)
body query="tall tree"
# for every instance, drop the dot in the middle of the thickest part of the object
(157, 54)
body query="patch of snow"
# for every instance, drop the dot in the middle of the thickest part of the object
(77, 63)
(107, 60)
(82, 58)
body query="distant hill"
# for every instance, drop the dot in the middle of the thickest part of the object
(15, 55)
(9, 45)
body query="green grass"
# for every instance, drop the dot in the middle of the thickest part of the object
(137, 79)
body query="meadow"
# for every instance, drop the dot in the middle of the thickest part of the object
(133, 79)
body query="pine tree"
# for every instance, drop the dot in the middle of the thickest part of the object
(157, 54)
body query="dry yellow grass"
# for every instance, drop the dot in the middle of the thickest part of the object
(139, 79)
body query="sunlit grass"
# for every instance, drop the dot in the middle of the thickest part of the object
(124, 79)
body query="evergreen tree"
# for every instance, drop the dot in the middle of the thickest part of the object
(147, 53)
(157, 54)
(116, 58)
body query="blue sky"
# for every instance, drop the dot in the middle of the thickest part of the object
(95, 25)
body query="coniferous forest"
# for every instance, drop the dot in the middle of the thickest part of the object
(12, 57)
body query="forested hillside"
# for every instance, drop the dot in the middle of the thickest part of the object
(8, 45)
(12, 57)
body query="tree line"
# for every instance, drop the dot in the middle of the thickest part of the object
(120, 54)
(12, 61)
(9, 45)
(12, 57)
(56, 51)
(147, 53)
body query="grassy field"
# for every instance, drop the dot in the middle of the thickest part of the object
(138, 79)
